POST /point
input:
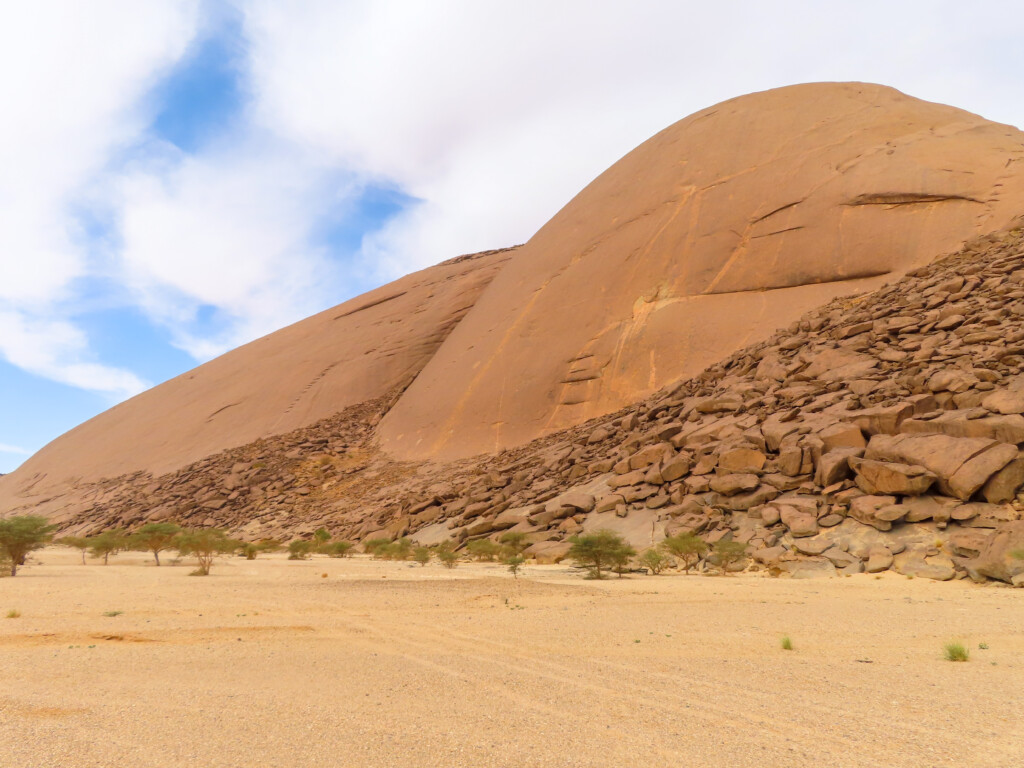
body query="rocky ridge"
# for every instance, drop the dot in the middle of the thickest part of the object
(881, 431)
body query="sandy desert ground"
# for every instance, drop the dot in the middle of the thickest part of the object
(362, 663)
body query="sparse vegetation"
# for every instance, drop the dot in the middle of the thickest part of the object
(370, 546)
(205, 544)
(337, 548)
(787, 644)
(22, 534)
(107, 543)
(447, 555)
(483, 550)
(600, 551)
(956, 651)
(14, 613)
(112, 614)
(81, 543)
(653, 560)
(321, 536)
(687, 547)
(155, 538)
(299, 549)
(516, 541)
(728, 552)
(421, 555)
(514, 563)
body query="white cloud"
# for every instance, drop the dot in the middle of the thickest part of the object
(72, 78)
(495, 114)
(57, 350)
(4, 448)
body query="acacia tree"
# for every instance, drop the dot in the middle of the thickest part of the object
(686, 546)
(728, 552)
(22, 534)
(81, 543)
(599, 551)
(107, 543)
(205, 544)
(155, 537)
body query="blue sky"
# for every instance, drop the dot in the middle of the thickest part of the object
(182, 176)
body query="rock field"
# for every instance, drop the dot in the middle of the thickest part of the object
(881, 431)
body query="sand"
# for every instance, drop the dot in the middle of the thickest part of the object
(269, 663)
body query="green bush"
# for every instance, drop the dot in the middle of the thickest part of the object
(337, 548)
(787, 644)
(956, 651)
(447, 555)
(483, 550)
(370, 546)
(299, 549)
(728, 552)
(516, 541)
(514, 563)
(653, 560)
(22, 534)
(320, 538)
(421, 555)
(600, 551)
(687, 547)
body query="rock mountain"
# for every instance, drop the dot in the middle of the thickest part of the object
(625, 366)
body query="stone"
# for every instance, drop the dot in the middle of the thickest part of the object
(975, 472)
(886, 477)
(881, 420)
(548, 552)
(768, 555)
(741, 460)
(864, 510)
(879, 559)
(842, 436)
(809, 568)
(937, 508)
(675, 467)
(835, 465)
(811, 545)
(1004, 401)
(830, 521)
(1004, 484)
(938, 568)
(730, 485)
(969, 542)
(799, 522)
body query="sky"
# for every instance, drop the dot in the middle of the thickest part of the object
(179, 177)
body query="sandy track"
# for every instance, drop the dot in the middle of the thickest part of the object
(380, 664)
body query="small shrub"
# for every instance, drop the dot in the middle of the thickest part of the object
(687, 547)
(484, 550)
(338, 548)
(983, 646)
(112, 614)
(370, 546)
(514, 563)
(727, 553)
(14, 613)
(956, 651)
(447, 555)
(320, 538)
(787, 644)
(299, 549)
(516, 541)
(653, 560)
(600, 551)
(250, 550)
(421, 555)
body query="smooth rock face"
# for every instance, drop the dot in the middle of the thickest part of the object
(633, 285)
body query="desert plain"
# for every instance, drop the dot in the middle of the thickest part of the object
(360, 662)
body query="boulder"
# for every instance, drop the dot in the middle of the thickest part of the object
(741, 460)
(879, 559)
(730, 485)
(675, 467)
(834, 465)
(809, 568)
(975, 472)
(838, 436)
(874, 477)
(921, 508)
(938, 568)
(969, 542)
(583, 502)
(800, 523)
(548, 552)
(1004, 484)
(812, 545)
(865, 509)
(881, 420)
(1004, 401)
